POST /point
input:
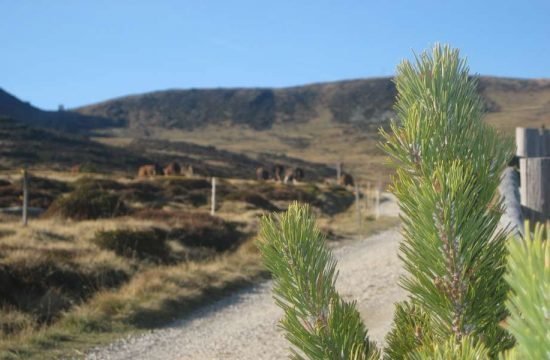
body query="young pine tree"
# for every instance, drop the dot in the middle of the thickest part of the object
(448, 170)
(449, 164)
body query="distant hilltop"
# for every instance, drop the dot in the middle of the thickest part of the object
(364, 103)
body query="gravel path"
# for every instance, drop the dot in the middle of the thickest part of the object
(244, 325)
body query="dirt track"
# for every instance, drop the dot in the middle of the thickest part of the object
(244, 325)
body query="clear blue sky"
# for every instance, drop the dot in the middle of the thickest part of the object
(78, 52)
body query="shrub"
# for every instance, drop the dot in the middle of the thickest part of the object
(529, 301)
(173, 184)
(448, 171)
(147, 244)
(61, 284)
(87, 203)
(97, 184)
(252, 198)
(196, 229)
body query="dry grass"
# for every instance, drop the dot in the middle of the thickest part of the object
(319, 140)
(90, 291)
(152, 297)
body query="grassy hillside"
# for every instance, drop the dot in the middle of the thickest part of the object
(322, 123)
(228, 132)
(24, 145)
(12, 107)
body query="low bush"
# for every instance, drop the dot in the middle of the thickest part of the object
(61, 284)
(87, 203)
(173, 184)
(196, 229)
(97, 184)
(147, 244)
(252, 198)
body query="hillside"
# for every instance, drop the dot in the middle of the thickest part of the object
(362, 103)
(322, 123)
(318, 123)
(25, 145)
(12, 107)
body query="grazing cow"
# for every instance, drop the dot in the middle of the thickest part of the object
(299, 174)
(172, 169)
(278, 172)
(75, 169)
(187, 170)
(294, 175)
(262, 174)
(346, 180)
(150, 170)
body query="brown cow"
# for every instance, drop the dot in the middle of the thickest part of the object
(172, 169)
(187, 170)
(299, 174)
(346, 180)
(294, 175)
(75, 169)
(262, 174)
(278, 172)
(150, 170)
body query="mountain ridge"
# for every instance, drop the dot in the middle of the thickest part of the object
(362, 102)
(64, 120)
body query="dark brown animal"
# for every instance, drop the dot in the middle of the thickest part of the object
(150, 170)
(299, 174)
(294, 175)
(172, 169)
(262, 174)
(278, 172)
(187, 170)
(346, 180)
(75, 169)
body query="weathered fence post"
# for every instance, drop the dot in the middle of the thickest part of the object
(535, 188)
(25, 197)
(358, 205)
(533, 149)
(532, 142)
(378, 190)
(213, 209)
(369, 198)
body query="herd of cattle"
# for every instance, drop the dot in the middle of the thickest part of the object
(171, 169)
(278, 173)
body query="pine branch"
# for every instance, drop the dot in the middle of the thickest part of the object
(317, 321)
(452, 349)
(449, 165)
(529, 302)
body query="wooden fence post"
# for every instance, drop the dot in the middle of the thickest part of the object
(535, 188)
(533, 149)
(532, 142)
(358, 206)
(25, 197)
(378, 190)
(213, 209)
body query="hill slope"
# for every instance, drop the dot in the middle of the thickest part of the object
(359, 102)
(25, 145)
(12, 107)
(323, 123)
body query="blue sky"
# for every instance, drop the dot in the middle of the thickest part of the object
(79, 52)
